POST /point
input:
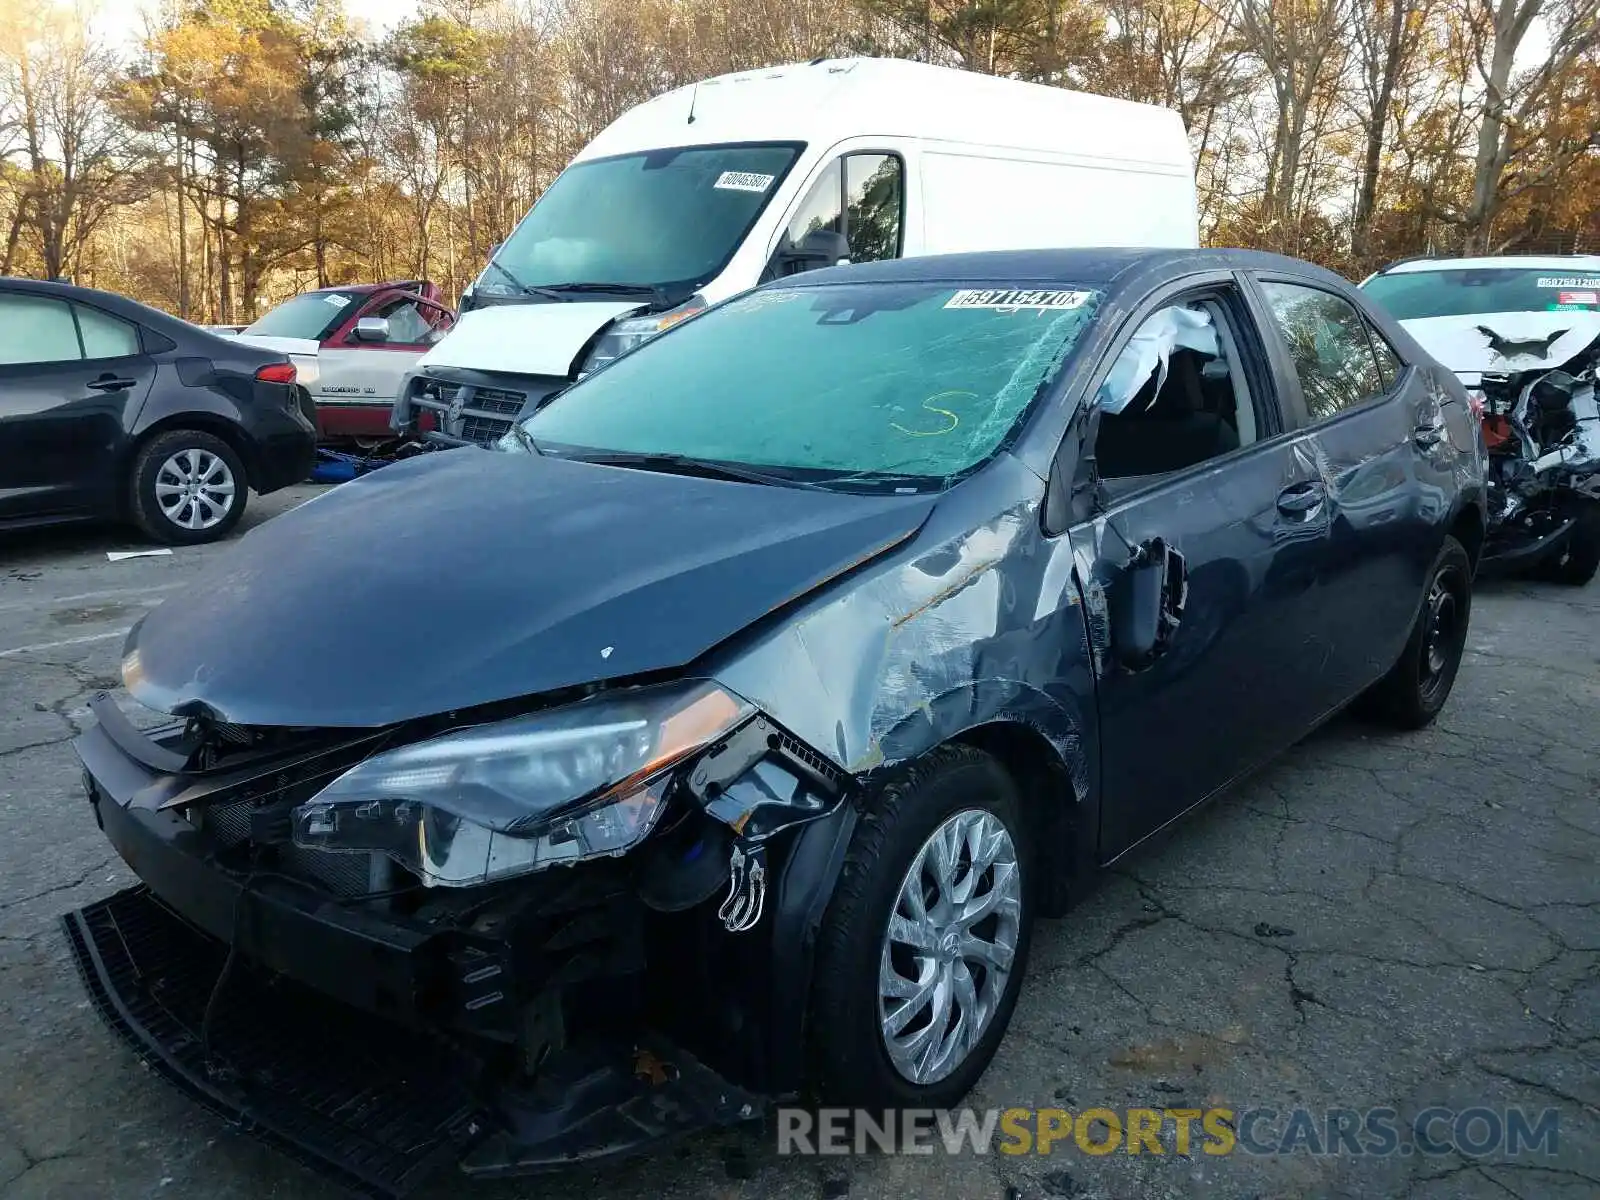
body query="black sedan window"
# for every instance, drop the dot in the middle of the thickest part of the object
(1328, 342)
(37, 329)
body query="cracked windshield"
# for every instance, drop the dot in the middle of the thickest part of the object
(909, 380)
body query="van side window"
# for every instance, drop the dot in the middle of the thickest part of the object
(1175, 397)
(823, 207)
(874, 187)
(1330, 346)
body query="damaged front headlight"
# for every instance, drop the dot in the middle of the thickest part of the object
(485, 803)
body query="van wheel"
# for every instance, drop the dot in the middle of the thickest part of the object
(188, 487)
(1411, 695)
(925, 941)
(1579, 558)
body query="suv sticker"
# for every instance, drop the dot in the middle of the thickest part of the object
(744, 181)
(1578, 298)
(336, 300)
(1016, 299)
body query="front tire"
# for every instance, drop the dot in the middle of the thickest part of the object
(188, 487)
(925, 941)
(1412, 694)
(1579, 558)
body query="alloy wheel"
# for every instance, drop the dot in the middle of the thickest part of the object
(949, 946)
(195, 489)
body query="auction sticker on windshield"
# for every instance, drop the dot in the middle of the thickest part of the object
(1590, 298)
(744, 181)
(1014, 299)
(1568, 281)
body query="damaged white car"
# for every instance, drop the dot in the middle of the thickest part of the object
(1523, 336)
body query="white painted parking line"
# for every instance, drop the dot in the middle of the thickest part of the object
(77, 641)
(109, 594)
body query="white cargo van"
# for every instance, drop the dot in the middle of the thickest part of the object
(713, 188)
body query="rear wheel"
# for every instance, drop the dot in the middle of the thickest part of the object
(1411, 695)
(188, 487)
(925, 941)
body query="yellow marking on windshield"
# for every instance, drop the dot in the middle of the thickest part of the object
(929, 406)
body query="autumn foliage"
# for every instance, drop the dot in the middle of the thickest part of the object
(245, 150)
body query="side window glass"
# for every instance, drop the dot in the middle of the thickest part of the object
(105, 336)
(408, 324)
(874, 188)
(1174, 398)
(1328, 343)
(34, 329)
(822, 207)
(1389, 364)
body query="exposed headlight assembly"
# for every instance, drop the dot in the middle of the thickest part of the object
(583, 781)
(636, 331)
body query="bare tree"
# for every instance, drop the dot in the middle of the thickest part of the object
(1512, 103)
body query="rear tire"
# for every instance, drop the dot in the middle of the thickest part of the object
(187, 487)
(944, 967)
(1580, 556)
(1414, 691)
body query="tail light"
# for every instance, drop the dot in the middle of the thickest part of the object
(276, 373)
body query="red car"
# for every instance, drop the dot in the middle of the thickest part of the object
(353, 344)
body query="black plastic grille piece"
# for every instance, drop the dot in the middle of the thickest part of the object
(373, 1106)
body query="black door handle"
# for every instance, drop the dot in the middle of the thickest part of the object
(110, 383)
(1303, 499)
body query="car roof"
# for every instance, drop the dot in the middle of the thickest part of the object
(1101, 267)
(1552, 262)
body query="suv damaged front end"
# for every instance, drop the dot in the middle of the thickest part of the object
(1541, 426)
(509, 908)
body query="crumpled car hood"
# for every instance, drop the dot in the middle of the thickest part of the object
(1501, 343)
(468, 576)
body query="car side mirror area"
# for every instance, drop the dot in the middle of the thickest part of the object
(1145, 604)
(819, 248)
(371, 329)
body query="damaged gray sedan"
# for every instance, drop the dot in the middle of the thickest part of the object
(717, 739)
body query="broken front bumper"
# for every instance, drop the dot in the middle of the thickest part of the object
(376, 1048)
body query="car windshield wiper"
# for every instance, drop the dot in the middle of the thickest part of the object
(528, 289)
(682, 464)
(524, 438)
(655, 292)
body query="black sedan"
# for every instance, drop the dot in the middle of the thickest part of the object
(110, 409)
(758, 693)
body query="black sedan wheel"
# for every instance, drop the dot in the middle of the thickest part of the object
(1411, 695)
(925, 941)
(188, 487)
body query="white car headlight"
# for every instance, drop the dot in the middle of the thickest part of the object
(634, 332)
(493, 801)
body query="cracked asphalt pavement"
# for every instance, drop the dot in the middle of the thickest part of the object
(1374, 920)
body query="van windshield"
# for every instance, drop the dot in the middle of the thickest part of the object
(906, 384)
(669, 219)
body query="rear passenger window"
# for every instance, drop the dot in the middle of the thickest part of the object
(1330, 347)
(105, 336)
(34, 329)
(1389, 364)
